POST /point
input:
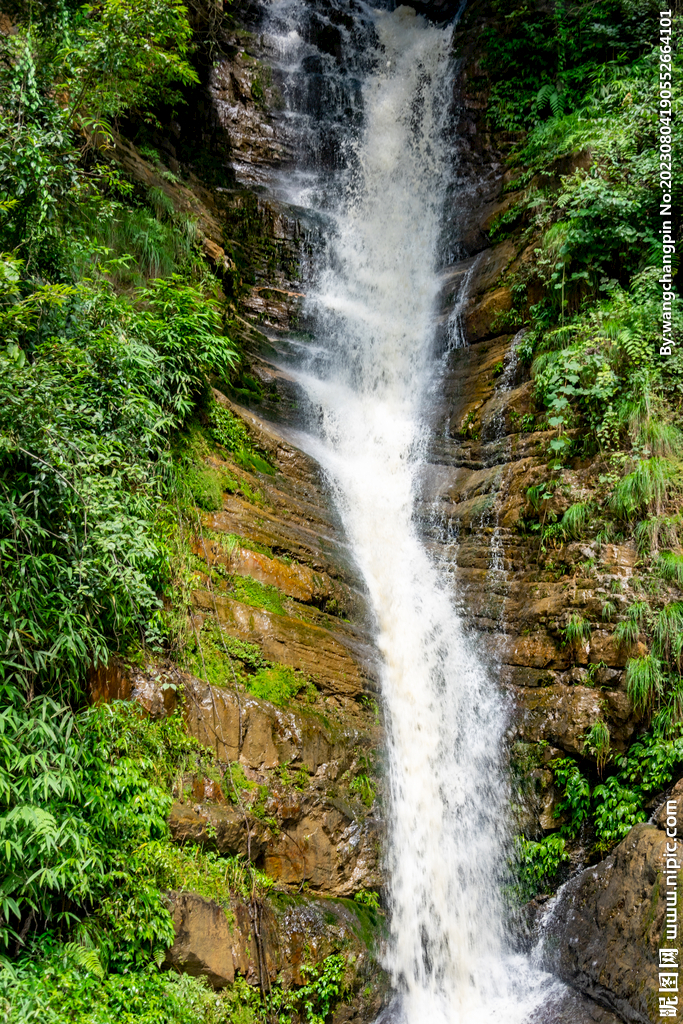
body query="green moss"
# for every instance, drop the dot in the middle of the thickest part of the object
(368, 924)
(206, 487)
(279, 684)
(258, 595)
(230, 432)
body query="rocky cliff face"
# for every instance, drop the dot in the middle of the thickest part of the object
(306, 811)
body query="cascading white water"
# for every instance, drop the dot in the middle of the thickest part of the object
(373, 308)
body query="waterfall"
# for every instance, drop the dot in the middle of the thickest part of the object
(372, 305)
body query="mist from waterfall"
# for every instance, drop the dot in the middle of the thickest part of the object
(372, 302)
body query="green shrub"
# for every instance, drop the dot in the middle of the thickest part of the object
(81, 792)
(618, 808)
(537, 864)
(574, 803)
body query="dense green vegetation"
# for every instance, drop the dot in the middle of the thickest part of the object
(111, 339)
(110, 443)
(579, 84)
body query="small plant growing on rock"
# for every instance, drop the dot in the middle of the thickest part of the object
(668, 633)
(670, 567)
(577, 630)
(574, 805)
(597, 743)
(575, 519)
(628, 629)
(538, 863)
(644, 681)
(368, 898)
(363, 787)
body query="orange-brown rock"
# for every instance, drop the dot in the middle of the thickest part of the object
(327, 658)
(204, 939)
(564, 715)
(241, 727)
(265, 940)
(229, 829)
(155, 688)
(482, 321)
(326, 847)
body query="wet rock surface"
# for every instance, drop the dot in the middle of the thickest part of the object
(604, 930)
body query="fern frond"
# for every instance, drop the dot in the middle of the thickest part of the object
(86, 958)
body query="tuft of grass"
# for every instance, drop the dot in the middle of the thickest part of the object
(598, 743)
(646, 488)
(668, 721)
(575, 520)
(658, 530)
(577, 629)
(669, 566)
(363, 787)
(628, 629)
(608, 610)
(660, 437)
(644, 681)
(160, 202)
(668, 632)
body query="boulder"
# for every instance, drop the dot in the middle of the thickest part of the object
(203, 939)
(241, 727)
(267, 939)
(481, 321)
(563, 715)
(604, 929)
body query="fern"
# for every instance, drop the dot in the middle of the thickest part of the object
(548, 95)
(86, 958)
(628, 629)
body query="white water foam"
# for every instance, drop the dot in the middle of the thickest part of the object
(373, 307)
